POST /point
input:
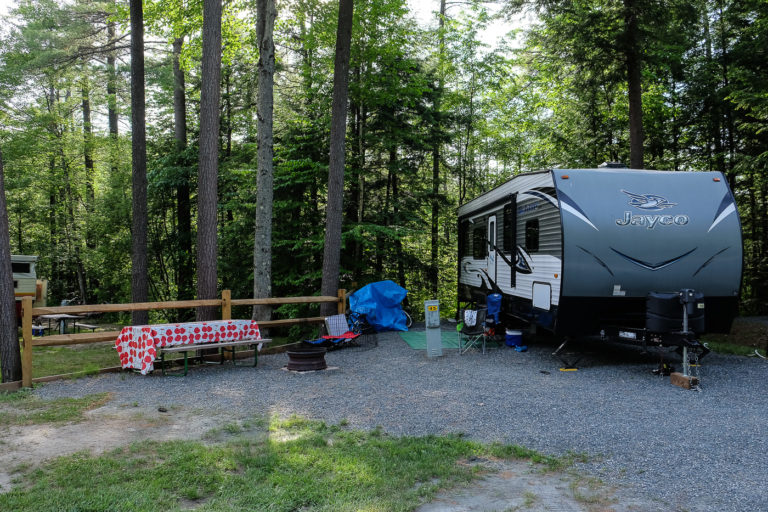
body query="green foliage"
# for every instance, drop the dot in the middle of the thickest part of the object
(555, 97)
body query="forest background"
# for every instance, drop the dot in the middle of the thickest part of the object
(438, 112)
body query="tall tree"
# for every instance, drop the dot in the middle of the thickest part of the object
(185, 274)
(600, 38)
(111, 82)
(10, 356)
(262, 247)
(207, 196)
(633, 58)
(433, 270)
(335, 202)
(139, 271)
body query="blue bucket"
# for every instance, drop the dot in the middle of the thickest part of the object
(513, 338)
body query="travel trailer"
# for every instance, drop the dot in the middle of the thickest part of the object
(580, 251)
(25, 282)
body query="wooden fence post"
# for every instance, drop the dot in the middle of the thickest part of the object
(26, 335)
(342, 305)
(226, 304)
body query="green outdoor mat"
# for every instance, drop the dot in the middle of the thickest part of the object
(418, 339)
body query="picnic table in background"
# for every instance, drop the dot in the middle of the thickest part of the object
(61, 320)
(138, 345)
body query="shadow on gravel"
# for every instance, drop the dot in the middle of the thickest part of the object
(594, 352)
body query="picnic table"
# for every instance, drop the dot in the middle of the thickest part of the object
(61, 320)
(139, 345)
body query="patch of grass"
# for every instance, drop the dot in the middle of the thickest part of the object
(549, 462)
(300, 465)
(24, 408)
(78, 359)
(591, 491)
(722, 347)
(745, 333)
(530, 499)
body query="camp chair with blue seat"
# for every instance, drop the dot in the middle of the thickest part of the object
(472, 332)
(338, 333)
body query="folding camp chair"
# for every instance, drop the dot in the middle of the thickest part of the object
(472, 332)
(338, 333)
(336, 325)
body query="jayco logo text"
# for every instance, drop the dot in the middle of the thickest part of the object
(650, 202)
(650, 221)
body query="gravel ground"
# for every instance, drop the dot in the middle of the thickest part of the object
(683, 450)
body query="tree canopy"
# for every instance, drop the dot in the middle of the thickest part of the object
(436, 114)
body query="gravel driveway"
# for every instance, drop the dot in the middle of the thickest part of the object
(684, 450)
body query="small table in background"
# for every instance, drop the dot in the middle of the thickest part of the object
(61, 320)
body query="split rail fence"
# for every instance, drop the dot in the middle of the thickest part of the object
(225, 302)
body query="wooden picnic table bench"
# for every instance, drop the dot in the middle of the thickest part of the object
(79, 326)
(222, 346)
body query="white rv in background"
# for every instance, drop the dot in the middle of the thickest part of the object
(25, 281)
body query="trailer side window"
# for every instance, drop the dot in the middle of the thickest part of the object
(532, 235)
(509, 235)
(465, 239)
(479, 243)
(20, 268)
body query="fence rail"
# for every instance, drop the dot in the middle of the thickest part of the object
(225, 302)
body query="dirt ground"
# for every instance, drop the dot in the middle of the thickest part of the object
(507, 486)
(105, 428)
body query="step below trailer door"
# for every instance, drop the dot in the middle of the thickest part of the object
(492, 256)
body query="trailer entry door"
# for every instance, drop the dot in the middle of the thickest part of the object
(491, 261)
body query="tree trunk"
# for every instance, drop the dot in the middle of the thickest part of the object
(359, 246)
(228, 110)
(727, 105)
(262, 242)
(87, 147)
(433, 266)
(357, 184)
(139, 271)
(712, 107)
(179, 98)
(90, 243)
(396, 219)
(634, 84)
(10, 354)
(112, 96)
(207, 196)
(335, 204)
(184, 273)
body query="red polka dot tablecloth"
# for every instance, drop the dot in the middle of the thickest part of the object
(137, 344)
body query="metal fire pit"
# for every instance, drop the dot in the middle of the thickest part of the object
(306, 359)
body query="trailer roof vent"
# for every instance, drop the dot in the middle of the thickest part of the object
(612, 165)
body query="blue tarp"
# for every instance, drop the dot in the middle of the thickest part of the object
(380, 303)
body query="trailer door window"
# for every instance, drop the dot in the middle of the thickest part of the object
(508, 235)
(479, 243)
(532, 235)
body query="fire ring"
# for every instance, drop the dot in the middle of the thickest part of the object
(307, 359)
